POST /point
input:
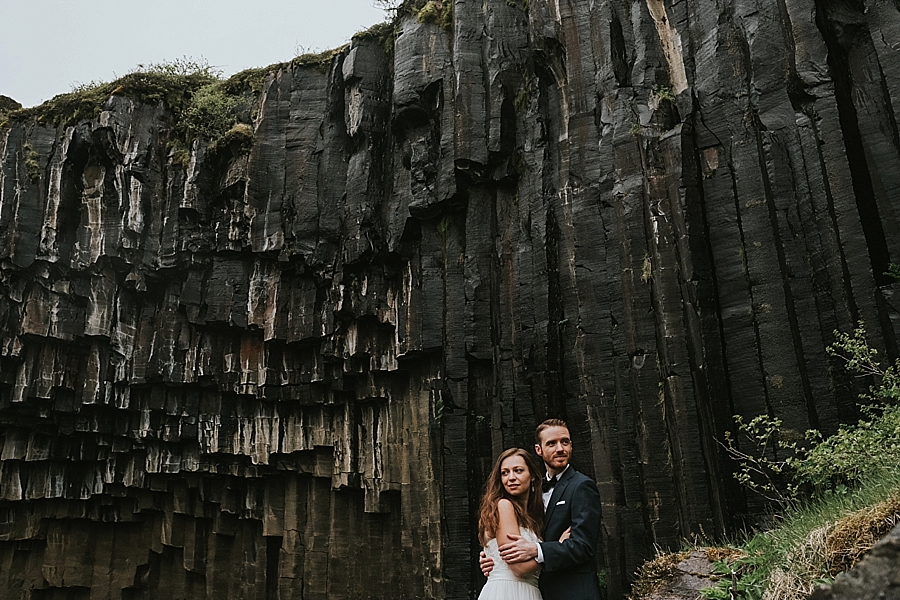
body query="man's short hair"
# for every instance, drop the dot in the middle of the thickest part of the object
(546, 425)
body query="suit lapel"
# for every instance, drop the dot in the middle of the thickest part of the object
(557, 494)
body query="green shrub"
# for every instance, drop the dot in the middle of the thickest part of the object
(759, 468)
(664, 93)
(873, 443)
(210, 112)
(830, 464)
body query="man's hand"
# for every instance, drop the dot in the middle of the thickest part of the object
(518, 550)
(486, 564)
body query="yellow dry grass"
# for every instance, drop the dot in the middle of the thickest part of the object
(854, 535)
(655, 573)
(787, 586)
(720, 553)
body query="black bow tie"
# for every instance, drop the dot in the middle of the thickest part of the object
(549, 484)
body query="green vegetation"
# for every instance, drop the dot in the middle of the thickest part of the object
(893, 271)
(318, 60)
(7, 105)
(385, 33)
(523, 97)
(811, 545)
(32, 166)
(444, 225)
(664, 93)
(602, 578)
(838, 494)
(203, 105)
(210, 112)
(173, 83)
(253, 80)
(248, 81)
(439, 12)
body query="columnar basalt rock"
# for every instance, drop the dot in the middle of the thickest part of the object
(284, 373)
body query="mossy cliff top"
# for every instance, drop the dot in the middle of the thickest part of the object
(182, 83)
(202, 102)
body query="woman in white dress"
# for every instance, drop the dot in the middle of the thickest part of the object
(511, 505)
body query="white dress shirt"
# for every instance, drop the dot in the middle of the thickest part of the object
(545, 496)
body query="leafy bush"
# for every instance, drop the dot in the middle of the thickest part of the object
(7, 104)
(385, 33)
(873, 443)
(210, 112)
(853, 453)
(841, 460)
(760, 470)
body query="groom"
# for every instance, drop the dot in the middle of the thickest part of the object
(571, 502)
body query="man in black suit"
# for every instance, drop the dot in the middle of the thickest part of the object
(571, 505)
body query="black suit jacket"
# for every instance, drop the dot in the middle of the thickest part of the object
(570, 567)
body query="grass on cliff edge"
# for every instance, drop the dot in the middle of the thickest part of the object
(812, 545)
(838, 496)
(202, 103)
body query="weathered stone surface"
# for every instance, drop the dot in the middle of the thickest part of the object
(687, 578)
(285, 374)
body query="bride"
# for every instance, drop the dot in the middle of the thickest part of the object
(511, 505)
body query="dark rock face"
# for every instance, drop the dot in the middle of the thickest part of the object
(285, 375)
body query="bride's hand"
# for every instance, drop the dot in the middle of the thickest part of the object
(486, 563)
(565, 535)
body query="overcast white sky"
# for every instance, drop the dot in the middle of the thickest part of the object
(48, 45)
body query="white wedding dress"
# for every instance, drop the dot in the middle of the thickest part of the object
(503, 584)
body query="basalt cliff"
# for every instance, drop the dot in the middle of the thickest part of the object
(282, 369)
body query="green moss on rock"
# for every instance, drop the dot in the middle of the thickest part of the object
(439, 12)
(32, 163)
(384, 33)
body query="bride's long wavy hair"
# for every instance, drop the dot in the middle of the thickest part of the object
(529, 510)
